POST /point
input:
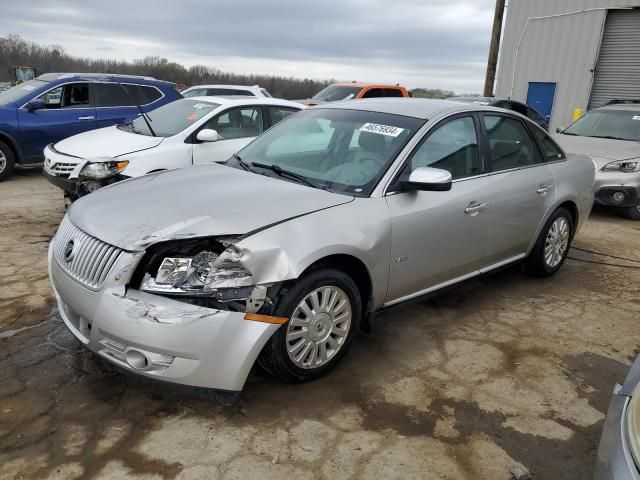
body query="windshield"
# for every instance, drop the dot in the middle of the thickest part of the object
(172, 118)
(334, 93)
(344, 151)
(19, 91)
(196, 92)
(617, 124)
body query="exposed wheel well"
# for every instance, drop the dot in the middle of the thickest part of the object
(573, 209)
(357, 270)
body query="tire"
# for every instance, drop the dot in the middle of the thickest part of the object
(7, 161)
(632, 213)
(537, 263)
(320, 328)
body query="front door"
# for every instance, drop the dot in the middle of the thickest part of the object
(438, 236)
(68, 111)
(540, 98)
(236, 127)
(523, 185)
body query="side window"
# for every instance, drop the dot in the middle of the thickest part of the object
(391, 92)
(509, 143)
(277, 114)
(74, 95)
(148, 94)
(453, 147)
(238, 122)
(114, 95)
(373, 93)
(535, 116)
(198, 92)
(549, 147)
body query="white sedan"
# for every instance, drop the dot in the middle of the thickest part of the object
(186, 132)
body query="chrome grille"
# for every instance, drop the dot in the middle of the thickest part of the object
(87, 260)
(62, 169)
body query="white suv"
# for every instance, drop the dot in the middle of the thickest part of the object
(225, 90)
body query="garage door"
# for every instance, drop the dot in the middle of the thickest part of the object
(618, 69)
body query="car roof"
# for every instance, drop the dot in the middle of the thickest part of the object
(223, 86)
(50, 77)
(242, 100)
(364, 84)
(422, 108)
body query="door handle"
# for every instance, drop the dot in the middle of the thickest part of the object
(88, 117)
(475, 208)
(544, 189)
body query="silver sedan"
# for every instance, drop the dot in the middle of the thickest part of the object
(285, 252)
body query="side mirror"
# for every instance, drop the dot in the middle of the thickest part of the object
(207, 135)
(35, 104)
(429, 179)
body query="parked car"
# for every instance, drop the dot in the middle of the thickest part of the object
(519, 107)
(189, 131)
(225, 90)
(355, 90)
(619, 451)
(282, 254)
(610, 135)
(58, 105)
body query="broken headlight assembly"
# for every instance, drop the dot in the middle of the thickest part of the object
(200, 274)
(101, 170)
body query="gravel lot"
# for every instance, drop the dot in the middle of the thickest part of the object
(501, 372)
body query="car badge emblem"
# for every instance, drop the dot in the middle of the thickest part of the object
(68, 251)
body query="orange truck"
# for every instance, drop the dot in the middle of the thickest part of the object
(355, 90)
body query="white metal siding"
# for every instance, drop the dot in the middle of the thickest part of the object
(618, 69)
(559, 42)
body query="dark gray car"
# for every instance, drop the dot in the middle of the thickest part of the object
(513, 105)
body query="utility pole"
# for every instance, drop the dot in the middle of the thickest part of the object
(494, 49)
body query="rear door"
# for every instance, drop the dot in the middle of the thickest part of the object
(523, 185)
(69, 110)
(439, 236)
(236, 127)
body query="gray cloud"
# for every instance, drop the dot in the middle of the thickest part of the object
(438, 43)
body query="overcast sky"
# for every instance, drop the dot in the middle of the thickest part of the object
(419, 43)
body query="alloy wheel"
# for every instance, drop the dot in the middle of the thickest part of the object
(3, 161)
(319, 327)
(557, 242)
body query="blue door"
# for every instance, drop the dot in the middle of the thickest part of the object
(540, 98)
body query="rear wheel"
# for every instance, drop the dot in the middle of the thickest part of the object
(323, 309)
(552, 246)
(632, 213)
(7, 161)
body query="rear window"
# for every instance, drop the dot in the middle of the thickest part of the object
(20, 91)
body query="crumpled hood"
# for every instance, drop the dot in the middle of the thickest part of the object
(601, 150)
(106, 142)
(205, 200)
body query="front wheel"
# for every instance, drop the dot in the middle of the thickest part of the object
(632, 213)
(323, 309)
(552, 246)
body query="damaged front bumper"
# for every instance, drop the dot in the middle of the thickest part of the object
(156, 336)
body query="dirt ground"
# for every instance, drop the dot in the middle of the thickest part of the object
(500, 372)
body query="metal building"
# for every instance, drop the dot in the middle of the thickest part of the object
(559, 55)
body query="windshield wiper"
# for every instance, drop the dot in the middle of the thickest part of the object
(145, 117)
(243, 164)
(608, 137)
(285, 173)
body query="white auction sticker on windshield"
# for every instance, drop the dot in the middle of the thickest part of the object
(387, 130)
(636, 117)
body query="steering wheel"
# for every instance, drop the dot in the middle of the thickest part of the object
(370, 158)
(358, 172)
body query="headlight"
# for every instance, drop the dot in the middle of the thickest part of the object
(633, 425)
(623, 166)
(103, 170)
(200, 274)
